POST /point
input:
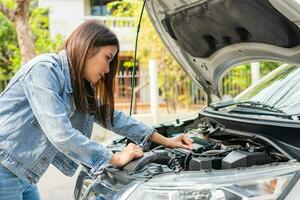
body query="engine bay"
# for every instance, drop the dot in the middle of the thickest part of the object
(213, 149)
(216, 148)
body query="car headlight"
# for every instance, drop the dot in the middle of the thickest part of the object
(248, 184)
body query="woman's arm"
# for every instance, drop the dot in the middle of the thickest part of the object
(42, 86)
(129, 127)
(180, 141)
(141, 133)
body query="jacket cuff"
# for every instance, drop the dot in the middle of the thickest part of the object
(145, 143)
(101, 163)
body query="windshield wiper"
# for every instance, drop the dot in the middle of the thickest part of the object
(259, 105)
(255, 107)
(250, 107)
(245, 104)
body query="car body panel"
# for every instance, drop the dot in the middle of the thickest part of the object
(208, 37)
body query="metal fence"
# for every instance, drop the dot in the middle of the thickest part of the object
(234, 82)
(123, 85)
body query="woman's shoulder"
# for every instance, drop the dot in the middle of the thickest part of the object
(50, 58)
(43, 66)
(48, 62)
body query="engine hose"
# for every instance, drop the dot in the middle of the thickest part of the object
(174, 164)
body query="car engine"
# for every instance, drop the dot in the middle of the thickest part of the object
(213, 149)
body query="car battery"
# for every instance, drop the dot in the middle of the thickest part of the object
(245, 159)
(205, 163)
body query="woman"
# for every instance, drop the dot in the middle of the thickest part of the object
(48, 109)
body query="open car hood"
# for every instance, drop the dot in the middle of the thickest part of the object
(207, 37)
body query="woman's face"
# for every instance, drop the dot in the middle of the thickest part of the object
(98, 65)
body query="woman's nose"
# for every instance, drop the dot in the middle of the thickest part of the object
(107, 69)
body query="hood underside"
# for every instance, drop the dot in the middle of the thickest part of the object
(208, 37)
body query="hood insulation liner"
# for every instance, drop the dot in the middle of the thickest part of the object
(209, 26)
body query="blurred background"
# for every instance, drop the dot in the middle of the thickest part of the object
(163, 90)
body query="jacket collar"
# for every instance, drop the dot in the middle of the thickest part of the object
(66, 69)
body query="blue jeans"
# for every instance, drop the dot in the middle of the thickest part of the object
(14, 188)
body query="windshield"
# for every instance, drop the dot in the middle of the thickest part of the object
(280, 89)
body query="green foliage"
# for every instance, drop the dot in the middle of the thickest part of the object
(128, 64)
(239, 78)
(9, 3)
(268, 66)
(39, 23)
(9, 52)
(125, 8)
(10, 58)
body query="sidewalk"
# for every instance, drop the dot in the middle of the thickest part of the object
(55, 185)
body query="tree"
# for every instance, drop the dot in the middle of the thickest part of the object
(10, 54)
(18, 13)
(39, 24)
(239, 77)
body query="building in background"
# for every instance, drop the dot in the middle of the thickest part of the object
(66, 15)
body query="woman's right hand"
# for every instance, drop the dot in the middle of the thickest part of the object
(130, 152)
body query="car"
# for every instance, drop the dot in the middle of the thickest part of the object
(246, 147)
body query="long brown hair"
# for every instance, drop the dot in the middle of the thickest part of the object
(83, 43)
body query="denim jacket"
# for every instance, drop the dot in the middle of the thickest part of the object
(40, 125)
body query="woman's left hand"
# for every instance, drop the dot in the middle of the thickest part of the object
(180, 141)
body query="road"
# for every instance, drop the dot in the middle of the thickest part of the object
(56, 186)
